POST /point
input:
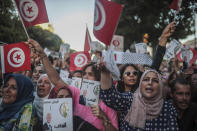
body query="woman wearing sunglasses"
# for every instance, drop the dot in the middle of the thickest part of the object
(130, 74)
(145, 109)
(129, 77)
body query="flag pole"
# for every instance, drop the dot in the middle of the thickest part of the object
(195, 29)
(22, 21)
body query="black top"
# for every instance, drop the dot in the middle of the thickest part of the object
(158, 57)
(166, 121)
(81, 125)
(188, 122)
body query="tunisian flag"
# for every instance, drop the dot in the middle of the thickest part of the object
(15, 57)
(176, 4)
(32, 12)
(87, 41)
(78, 60)
(106, 17)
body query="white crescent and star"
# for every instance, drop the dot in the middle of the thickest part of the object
(80, 60)
(16, 57)
(29, 10)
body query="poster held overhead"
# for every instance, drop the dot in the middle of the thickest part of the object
(118, 42)
(141, 48)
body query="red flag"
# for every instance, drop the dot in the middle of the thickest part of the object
(176, 4)
(106, 17)
(87, 41)
(32, 12)
(78, 60)
(15, 57)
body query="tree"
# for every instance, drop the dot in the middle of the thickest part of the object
(151, 16)
(45, 38)
(12, 31)
(10, 26)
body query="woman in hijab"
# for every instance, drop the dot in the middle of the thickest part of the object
(43, 89)
(60, 92)
(100, 117)
(16, 111)
(145, 109)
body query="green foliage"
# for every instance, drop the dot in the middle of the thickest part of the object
(45, 38)
(151, 16)
(10, 26)
(12, 31)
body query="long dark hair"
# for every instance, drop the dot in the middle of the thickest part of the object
(97, 73)
(121, 85)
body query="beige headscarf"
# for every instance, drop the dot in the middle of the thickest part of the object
(142, 109)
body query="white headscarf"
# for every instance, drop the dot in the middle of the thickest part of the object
(38, 101)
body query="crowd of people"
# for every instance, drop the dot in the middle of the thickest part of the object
(162, 97)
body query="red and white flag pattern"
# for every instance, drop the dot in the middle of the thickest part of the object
(192, 56)
(78, 60)
(32, 12)
(15, 57)
(176, 5)
(106, 17)
(118, 43)
(87, 41)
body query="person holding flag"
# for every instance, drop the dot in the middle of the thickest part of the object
(98, 117)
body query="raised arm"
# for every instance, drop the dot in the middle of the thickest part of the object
(106, 78)
(160, 51)
(51, 72)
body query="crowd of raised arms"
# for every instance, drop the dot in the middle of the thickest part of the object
(161, 97)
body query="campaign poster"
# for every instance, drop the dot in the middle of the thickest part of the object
(76, 82)
(141, 48)
(89, 92)
(58, 114)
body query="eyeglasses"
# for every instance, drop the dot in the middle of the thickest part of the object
(128, 73)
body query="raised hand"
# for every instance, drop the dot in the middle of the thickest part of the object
(167, 32)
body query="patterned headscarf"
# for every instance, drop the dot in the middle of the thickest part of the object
(143, 109)
(25, 90)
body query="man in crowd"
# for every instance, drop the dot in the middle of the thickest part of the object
(187, 111)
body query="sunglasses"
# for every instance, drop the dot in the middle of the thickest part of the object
(128, 73)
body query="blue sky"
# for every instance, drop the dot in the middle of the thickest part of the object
(69, 19)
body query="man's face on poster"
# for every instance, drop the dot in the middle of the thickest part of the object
(48, 118)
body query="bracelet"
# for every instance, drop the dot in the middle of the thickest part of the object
(106, 122)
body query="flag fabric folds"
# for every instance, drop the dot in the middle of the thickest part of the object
(87, 41)
(106, 17)
(32, 12)
(176, 4)
(15, 57)
(78, 60)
